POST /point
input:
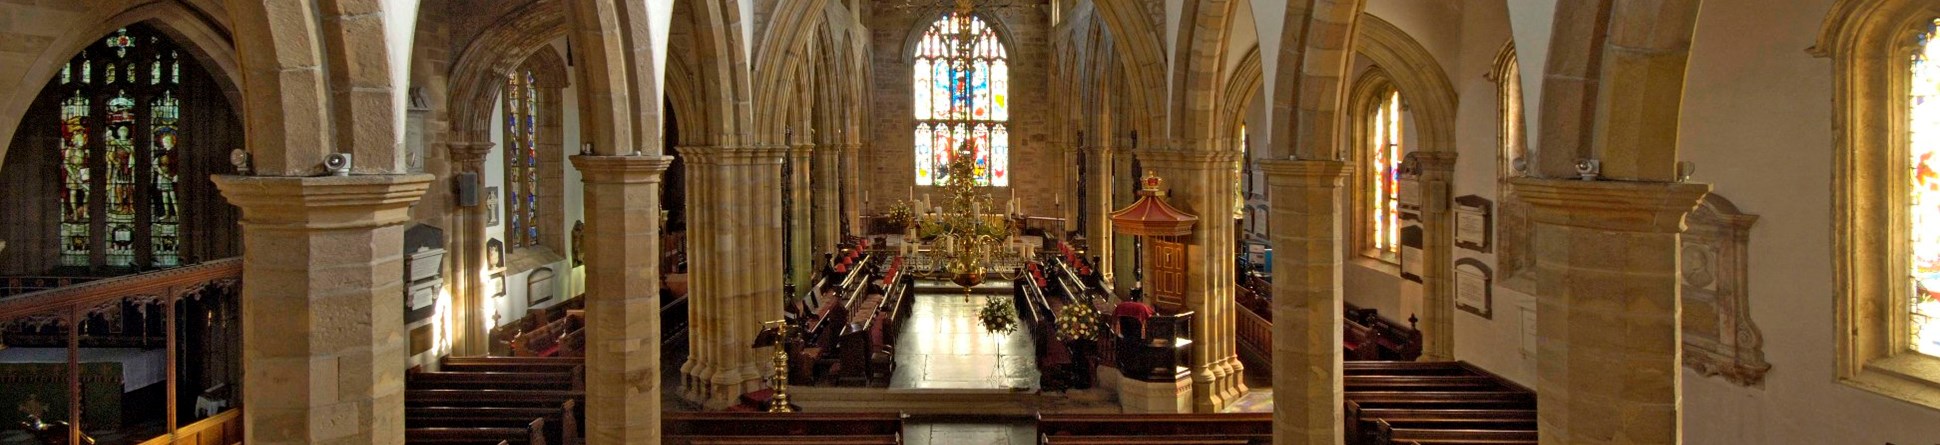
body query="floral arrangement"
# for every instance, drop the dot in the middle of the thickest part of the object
(1078, 321)
(997, 316)
(901, 215)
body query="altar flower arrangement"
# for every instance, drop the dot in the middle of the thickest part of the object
(997, 316)
(1078, 322)
(901, 215)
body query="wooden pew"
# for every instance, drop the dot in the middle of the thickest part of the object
(1410, 382)
(1141, 440)
(789, 428)
(1404, 368)
(1388, 434)
(511, 364)
(1219, 428)
(532, 434)
(493, 380)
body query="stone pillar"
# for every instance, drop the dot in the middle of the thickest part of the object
(827, 197)
(622, 199)
(1123, 183)
(323, 324)
(1609, 344)
(467, 251)
(1098, 208)
(801, 217)
(1201, 182)
(734, 268)
(852, 188)
(1436, 177)
(1306, 235)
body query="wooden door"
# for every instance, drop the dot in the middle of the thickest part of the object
(1167, 286)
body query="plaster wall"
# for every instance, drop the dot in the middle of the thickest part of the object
(568, 281)
(1756, 121)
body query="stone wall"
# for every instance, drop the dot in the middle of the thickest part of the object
(888, 159)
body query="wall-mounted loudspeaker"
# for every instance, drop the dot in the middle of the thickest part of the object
(467, 185)
(338, 164)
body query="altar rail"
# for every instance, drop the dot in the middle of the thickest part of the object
(194, 311)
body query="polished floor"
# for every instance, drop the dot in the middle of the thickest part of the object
(970, 432)
(943, 347)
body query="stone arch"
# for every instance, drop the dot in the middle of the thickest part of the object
(1197, 77)
(790, 29)
(1142, 54)
(1314, 64)
(720, 79)
(1618, 96)
(475, 76)
(1240, 91)
(914, 34)
(207, 41)
(1423, 85)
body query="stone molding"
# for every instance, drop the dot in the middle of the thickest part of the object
(1622, 206)
(742, 155)
(469, 154)
(1303, 173)
(323, 202)
(1191, 158)
(621, 169)
(1435, 161)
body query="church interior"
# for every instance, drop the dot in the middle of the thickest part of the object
(1359, 222)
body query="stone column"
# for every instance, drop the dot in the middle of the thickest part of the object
(467, 251)
(1437, 324)
(801, 217)
(323, 324)
(1124, 189)
(1609, 344)
(734, 268)
(1306, 234)
(622, 199)
(828, 204)
(1098, 207)
(852, 188)
(1201, 182)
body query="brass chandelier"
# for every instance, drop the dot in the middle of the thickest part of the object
(966, 244)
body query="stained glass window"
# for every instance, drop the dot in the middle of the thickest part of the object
(1924, 194)
(961, 83)
(119, 150)
(522, 159)
(1383, 187)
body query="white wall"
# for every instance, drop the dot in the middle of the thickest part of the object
(1757, 121)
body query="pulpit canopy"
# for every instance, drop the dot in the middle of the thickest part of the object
(1150, 215)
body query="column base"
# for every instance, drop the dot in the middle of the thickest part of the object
(1141, 397)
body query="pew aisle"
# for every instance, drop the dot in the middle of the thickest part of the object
(941, 346)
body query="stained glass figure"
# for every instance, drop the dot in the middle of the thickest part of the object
(1923, 193)
(120, 150)
(961, 78)
(522, 159)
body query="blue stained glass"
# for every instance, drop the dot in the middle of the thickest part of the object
(958, 85)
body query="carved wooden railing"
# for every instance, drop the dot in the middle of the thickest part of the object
(67, 306)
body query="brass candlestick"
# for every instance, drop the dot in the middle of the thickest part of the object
(779, 403)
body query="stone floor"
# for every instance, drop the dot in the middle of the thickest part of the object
(969, 432)
(943, 347)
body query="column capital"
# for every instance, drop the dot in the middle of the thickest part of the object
(801, 150)
(595, 169)
(734, 155)
(1622, 206)
(323, 202)
(1434, 161)
(1186, 158)
(1303, 173)
(470, 154)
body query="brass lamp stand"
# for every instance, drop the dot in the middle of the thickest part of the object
(779, 403)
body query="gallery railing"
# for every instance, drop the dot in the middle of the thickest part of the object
(138, 359)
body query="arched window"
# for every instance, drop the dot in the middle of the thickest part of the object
(1379, 141)
(120, 113)
(523, 223)
(1886, 235)
(961, 79)
(1923, 192)
(1512, 226)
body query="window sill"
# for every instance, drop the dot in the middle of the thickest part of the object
(528, 258)
(1908, 376)
(1377, 264)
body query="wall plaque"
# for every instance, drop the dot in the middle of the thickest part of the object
(1719, 338)
(1474, 216)
(1474, 291)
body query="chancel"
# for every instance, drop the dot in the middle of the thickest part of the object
(1355, 222)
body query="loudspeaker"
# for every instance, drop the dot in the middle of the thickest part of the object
(337, 164)
(467, 184)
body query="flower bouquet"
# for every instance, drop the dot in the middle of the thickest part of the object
(997, 316)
